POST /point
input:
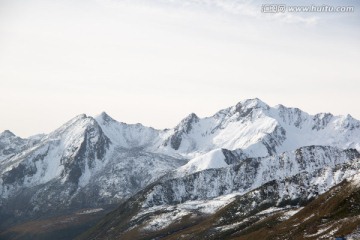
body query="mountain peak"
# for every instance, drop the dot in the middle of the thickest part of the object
(191, 117)
(77, 118)
(7, 133)
(254, 103)
(80, 116)
(245, 107)
(184, 127)
(104, 118)
(186, 124)
(76, 121)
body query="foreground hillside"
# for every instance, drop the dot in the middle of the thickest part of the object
(333, 213)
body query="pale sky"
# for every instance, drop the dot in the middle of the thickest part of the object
(156, 61)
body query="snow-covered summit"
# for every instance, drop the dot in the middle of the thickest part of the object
(261, 130)
(183, 128)
(103, 118)
(249, 104)
(127, 135)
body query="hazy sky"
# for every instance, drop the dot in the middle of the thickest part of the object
(156, 61)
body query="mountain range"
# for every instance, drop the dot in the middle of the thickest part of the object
(218, 177)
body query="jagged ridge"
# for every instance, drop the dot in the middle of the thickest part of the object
(92, 162)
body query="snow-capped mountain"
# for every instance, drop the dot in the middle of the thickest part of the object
(63, 154)
(77, 165)
(97, 161)
(261, 130)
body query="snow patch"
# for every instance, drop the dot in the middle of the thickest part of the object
(210, 160)
(89, 211)
(162, 221)
(355, 179)
(176, 212)
(320, 231)
(290, 213)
